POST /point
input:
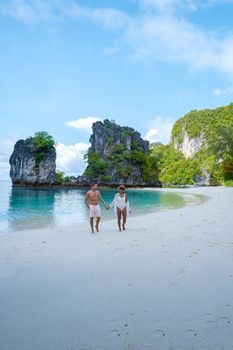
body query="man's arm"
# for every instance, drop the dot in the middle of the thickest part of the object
(100, 197)
(86, 200)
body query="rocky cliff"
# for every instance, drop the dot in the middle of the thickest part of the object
(189, 146)
(107, 134)
(193, 155)
(119, 155)
(32, 165)
(198, 129)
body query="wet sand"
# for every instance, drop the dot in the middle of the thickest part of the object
(166, 283)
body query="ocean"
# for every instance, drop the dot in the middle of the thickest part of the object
(27, 208)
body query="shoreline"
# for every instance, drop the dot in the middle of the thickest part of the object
(82, 185)
(183, 192)
(78, 186)
(164, 283)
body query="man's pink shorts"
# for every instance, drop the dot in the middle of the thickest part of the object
(95, 211)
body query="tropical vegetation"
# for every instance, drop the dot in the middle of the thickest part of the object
(122, 160)
(215, 156)
(43, 142)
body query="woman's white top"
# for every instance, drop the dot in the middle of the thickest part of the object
(120, 202)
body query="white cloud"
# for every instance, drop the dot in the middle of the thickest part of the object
(83, 123)
(223, 92)
(4, 170)
(225, 58)
(161, 5)
(167, 38)
(159, 30)
(151, 135)
(175, 5)
(6, 149)
(109, 18)
(217, 92)
(20, 10)
(159, 130)
(32, 11)
(70, 158)
(111, 50)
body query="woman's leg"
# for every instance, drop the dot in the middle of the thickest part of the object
(119, 218)
(124, 214)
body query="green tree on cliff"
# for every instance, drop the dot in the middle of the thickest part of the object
(222, 147)
(43, 142)
(42, 139)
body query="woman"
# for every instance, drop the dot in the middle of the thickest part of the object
(121, 206)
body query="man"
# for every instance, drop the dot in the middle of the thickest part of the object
(93, 197)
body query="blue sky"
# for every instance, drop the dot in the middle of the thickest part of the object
(143, 63)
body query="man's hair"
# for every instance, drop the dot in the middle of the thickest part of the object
(93, 184)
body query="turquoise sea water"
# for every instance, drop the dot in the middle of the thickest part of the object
(27, 208)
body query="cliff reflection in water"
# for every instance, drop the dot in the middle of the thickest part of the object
(36, 208)
(31, 208)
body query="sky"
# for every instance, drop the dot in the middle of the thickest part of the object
(65, 64)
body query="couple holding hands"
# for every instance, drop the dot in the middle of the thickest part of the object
(120, 204)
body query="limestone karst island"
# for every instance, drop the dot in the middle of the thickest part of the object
(200, 152)
(158, 278)
(116, 175)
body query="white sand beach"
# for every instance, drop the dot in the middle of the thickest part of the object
(166, 283)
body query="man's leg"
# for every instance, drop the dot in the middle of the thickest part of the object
(98, 216)
(97, 223)
(92, 224)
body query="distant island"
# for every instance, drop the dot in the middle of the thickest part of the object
(200, 153)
